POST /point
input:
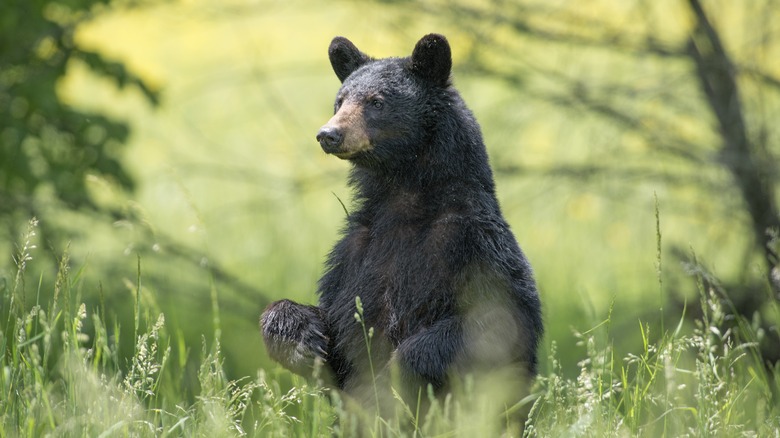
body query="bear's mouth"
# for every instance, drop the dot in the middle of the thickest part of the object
(350, 149)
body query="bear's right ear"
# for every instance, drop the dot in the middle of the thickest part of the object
(345, 57)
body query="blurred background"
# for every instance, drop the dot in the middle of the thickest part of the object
(174, 140)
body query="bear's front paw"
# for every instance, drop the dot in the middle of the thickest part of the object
(295, 335)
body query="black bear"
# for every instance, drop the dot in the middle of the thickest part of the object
(444, 286)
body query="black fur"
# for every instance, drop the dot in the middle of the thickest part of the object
(442, 280)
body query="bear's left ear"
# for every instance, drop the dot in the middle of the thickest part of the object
(432, 59)
(345, 57)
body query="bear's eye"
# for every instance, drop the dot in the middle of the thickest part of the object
(376, 103)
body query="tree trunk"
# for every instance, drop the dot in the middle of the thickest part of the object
(748, 163)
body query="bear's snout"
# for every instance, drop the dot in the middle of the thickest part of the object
(345, 134)
(330, 139)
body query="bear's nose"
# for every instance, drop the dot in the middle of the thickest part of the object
(330, 139)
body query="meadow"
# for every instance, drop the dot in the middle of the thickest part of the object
(61, 378)
(144, 323)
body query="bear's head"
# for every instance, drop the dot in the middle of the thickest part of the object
(386, 108)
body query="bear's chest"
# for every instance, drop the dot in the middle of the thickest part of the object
(402, 271)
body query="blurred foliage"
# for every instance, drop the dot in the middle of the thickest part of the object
(48, 148)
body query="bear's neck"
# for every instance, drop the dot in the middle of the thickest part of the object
(406, 203)
(424, 189)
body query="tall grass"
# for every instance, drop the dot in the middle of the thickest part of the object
(62, 374)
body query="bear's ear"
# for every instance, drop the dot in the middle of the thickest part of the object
(345, 57)
(432, 59)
